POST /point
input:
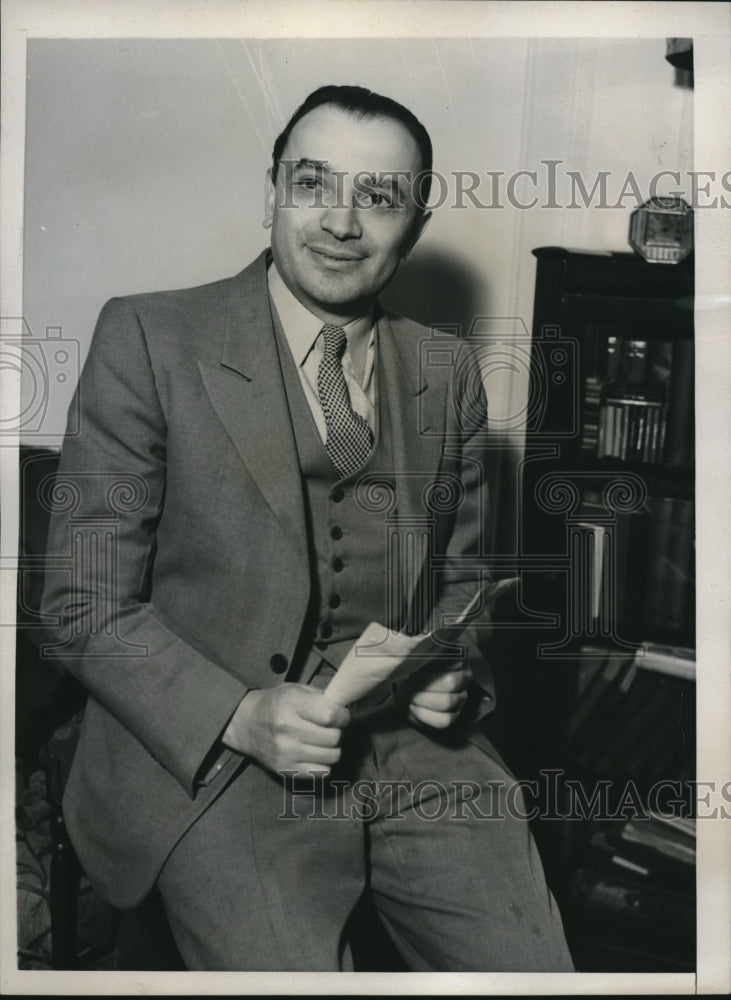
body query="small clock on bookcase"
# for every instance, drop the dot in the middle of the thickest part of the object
(661, 230)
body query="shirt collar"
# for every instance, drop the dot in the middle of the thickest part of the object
(301, 327)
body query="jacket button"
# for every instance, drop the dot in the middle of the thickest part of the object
(278, 663)
(337, 495)
(334, 601)
(326, 631)
(338, 565)
(336, 533)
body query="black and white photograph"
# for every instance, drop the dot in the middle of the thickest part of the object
(365, 480)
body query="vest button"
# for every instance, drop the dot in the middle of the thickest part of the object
(278, 663)
(326, 630)
(337, 496)
(334, 601)
(336, 533)
(338, 565)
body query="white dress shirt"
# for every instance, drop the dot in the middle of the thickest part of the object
(302, 330)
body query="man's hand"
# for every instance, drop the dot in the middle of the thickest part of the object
(291, 727)
(436, 694)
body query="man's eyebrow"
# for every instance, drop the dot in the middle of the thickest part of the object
(393, 180)
(307, 164)
(389, 179)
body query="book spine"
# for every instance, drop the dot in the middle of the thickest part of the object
(650, 435)
(613, 358)
(623, 411)
(634, 724)
(680, 405)
(604, 670)
(670, 665)
(611, 423)
(662, 428)
(635, 907)
(592, 594)
(663, 649)
(616, 430)
(601, 448)
(651, 708)
(632, 548)
(641, 430)
(616, 680)
(659, 736)
(592, 405)
(660, 362)
(656, 577)
(680, 564)
(634, 360)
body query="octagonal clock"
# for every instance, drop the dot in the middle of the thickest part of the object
(661, 230)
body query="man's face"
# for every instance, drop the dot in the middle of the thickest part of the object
(342, 213)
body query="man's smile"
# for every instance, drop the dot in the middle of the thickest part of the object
(334, 258)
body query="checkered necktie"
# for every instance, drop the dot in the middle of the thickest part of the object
(349, 438)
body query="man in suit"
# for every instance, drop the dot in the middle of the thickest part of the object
(255, 460)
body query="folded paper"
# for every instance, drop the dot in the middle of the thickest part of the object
(380, 656)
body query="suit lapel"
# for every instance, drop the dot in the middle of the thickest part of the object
(247, 391)
(417, 411)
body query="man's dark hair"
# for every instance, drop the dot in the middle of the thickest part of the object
(363, 103)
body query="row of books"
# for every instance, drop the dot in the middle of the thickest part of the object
(659, 839)
(635, 892)
(631, 424)
(657, 848)
(639, 399)
(675, 661)
(644, 566)
(633, 713)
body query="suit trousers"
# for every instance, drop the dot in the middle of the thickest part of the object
(428, 822)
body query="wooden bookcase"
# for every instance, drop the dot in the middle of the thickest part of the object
(606, 545)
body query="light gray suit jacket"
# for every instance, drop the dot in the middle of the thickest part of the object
(178, 508)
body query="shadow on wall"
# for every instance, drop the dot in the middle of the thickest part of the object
(436, 289)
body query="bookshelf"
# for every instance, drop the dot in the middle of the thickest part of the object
(604, 681)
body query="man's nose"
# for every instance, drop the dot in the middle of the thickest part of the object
(342, 221)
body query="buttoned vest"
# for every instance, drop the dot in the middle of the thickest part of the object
(347, 542)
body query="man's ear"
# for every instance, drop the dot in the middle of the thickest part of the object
(270, 193)
(417, 231)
